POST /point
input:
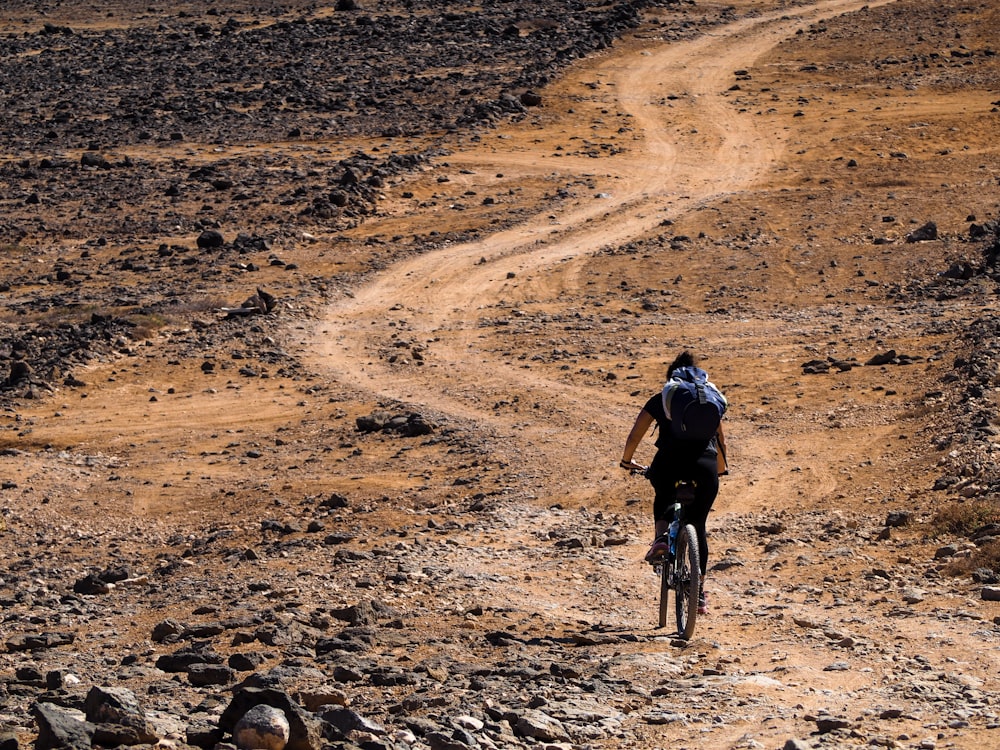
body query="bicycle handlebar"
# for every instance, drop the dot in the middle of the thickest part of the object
(633, 467)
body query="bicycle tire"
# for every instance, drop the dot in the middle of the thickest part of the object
(687, 581)
(664, 592)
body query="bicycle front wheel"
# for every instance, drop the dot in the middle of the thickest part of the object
(687, 581)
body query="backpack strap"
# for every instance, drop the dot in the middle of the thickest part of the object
(699, 386)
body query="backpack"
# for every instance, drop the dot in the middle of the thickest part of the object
(695, 405)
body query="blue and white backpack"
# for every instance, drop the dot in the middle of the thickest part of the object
(695, 406)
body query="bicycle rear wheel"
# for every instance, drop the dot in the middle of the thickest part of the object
(687, 581)
(664, 571)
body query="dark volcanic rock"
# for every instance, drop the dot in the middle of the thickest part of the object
(927, 232)
(60, 730)
(145, 83)
(211, 238)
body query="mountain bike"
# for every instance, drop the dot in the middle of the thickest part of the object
(679, 570)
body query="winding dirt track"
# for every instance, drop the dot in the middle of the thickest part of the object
(684, 155)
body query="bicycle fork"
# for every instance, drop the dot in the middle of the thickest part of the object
(664, 567)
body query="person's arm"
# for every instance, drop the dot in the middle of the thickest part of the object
(720, 441)
(642, 424)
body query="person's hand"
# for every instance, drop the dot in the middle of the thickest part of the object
(632, 466)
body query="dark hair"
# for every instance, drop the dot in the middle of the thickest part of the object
(684, 359)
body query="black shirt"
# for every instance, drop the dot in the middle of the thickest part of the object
(666, 440)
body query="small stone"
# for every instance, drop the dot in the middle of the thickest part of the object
(203, 675)
(166, 628)
(61, 728)
(210, 238)
(540, 726)
(924, 234)
(949, 550)
(263, 727)
(898, 518)
(531, 99)
(826, 723)
(990, 593)
(118, 706)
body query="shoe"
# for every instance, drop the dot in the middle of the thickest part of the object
(703, 604)
(658, 549)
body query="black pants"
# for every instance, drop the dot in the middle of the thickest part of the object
(666, 471)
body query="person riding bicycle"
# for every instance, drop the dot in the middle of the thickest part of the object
(677, 459)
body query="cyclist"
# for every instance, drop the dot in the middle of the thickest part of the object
(676, 459)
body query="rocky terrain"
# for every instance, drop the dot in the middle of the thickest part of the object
(323, 327)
